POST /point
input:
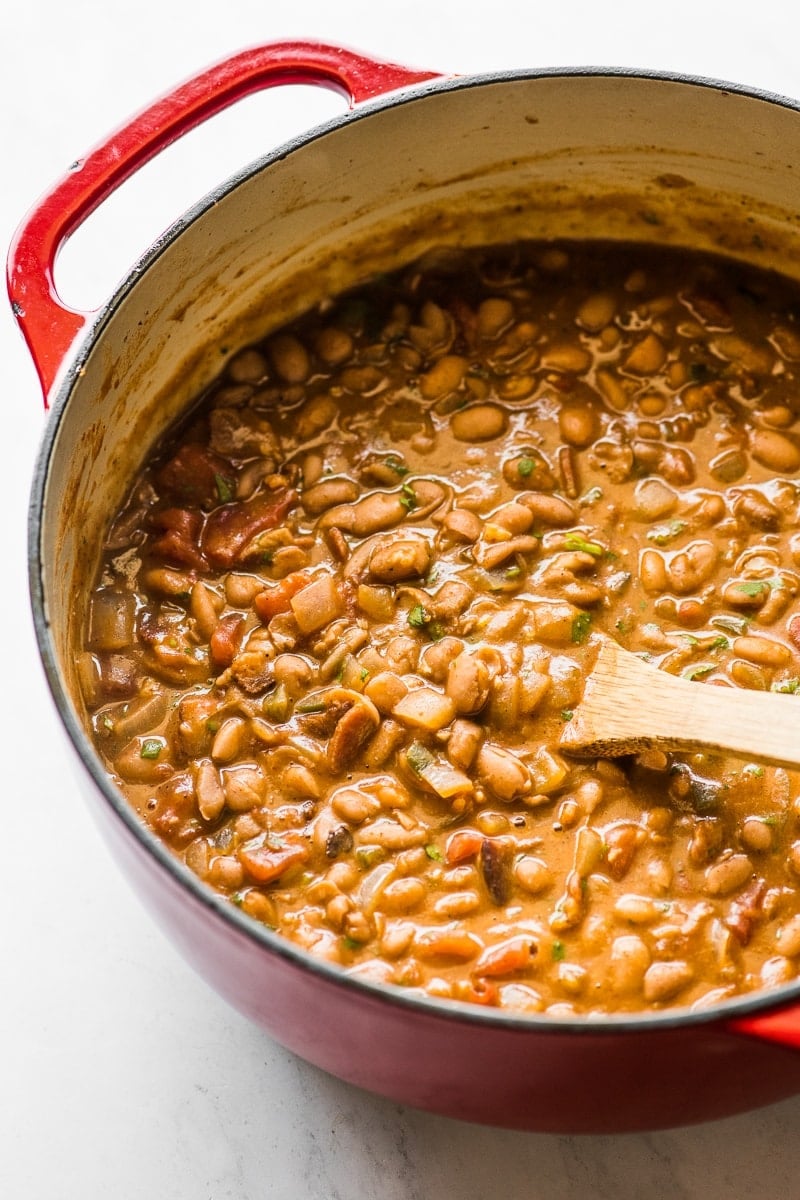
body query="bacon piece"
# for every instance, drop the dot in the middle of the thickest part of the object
(746, 911)
(231, 528)
(179, 541)
(195, 475)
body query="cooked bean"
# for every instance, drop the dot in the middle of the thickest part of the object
(629, 961)
(408, 558)
(289, 358)
(478, 423)
(324, 495)
(503, 773)
(787, 937)
(353, 805)
(774, 450)
(728, 874)
(548, 510)
(493, 316)
(401, 896)
(367, 574)
(664, 980)
(210, 794)
(578, 424)
(334, 346)
(229, 740)
(244, 786)
(443, 377)
(463, 525)
(596, 311)
(766, 652)
(653, 572)
(647, 356)
(457, 904)
(533, 874)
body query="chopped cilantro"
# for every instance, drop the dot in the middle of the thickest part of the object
(624, 625)
(151, 748)
(720, 643)
(525, 467)
(580, 628)
(792, 686)
(225, 488)
(698, 671)
(733, 625)
(558, 951)
(396, 465)
(567, 714)
(574, 541)
(753, 587)
(662, 534)
(753, 769)
(363, 675)
(368, 856)
(434, 852)
(408, 497)
(757, 587)
(212, 725)
(418, 617)
(418, 757)
(350, 943)
(513, 572)
(592, 496)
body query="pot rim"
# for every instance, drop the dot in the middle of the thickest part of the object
(611, 1024)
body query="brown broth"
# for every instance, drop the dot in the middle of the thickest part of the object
(348, 608)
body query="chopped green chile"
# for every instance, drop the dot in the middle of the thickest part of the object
(347, 609)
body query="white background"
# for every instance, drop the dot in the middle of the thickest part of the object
(121, 1074)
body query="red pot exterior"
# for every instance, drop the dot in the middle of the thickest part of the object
(461, 143)
(520, 1075)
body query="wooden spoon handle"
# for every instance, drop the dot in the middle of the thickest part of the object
(629, 706)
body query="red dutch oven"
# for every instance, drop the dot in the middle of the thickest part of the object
(418, 159)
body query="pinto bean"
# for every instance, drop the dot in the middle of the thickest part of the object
(478, 423)
(728, 874)
(407, 558)
(462, 525)
(468, 684)
(664, 980)
(505, 775)
(325, 495)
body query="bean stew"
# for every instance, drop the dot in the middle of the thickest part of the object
(349, 605)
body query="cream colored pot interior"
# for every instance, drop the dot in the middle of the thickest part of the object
(578, 156)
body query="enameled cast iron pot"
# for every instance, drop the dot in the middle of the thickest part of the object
(418, 159)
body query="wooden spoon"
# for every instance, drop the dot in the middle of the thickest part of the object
(629, 706)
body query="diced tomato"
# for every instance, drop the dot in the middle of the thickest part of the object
(462, 845)
(507, 958)
(266, 863)
(226, 640)
(231, 528)
(277, 598)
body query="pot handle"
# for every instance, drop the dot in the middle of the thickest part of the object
(48, 325)
(781, 1027)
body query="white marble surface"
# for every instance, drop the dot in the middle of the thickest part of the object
(121, 1074)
